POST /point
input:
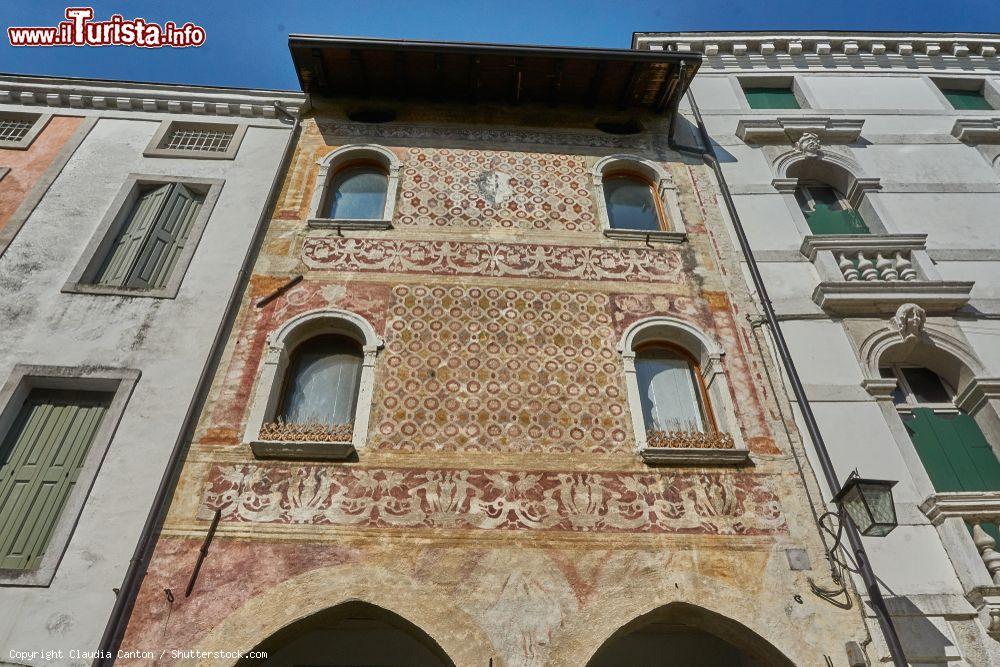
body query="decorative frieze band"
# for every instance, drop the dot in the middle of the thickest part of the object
(594, 502)
(154, 98)
(528, 260)
(959, 46)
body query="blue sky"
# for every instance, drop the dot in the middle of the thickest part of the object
(246, 44)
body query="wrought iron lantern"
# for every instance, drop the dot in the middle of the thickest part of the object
(869, 504)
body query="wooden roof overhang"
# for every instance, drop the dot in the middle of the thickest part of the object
(491, 73)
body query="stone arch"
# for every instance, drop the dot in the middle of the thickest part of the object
(325, 320)
(334, 160)
(662, 327)
(932, 347)
(688, 630)
(352, 633)
(645, 589)
(839, 171)
(393, 594)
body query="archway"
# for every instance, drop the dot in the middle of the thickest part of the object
(352, 634)
(683, 635)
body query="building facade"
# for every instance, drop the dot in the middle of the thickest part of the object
(864, 170)
(493, 396)
(127, 212)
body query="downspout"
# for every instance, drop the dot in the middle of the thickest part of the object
(115, 630)
(826, 463)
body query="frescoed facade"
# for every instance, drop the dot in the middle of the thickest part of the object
(492, 395)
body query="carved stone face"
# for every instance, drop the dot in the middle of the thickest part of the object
(808, 143)
(909, 320)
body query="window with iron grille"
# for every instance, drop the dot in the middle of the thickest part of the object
(14, 129)
(199, 140)
(18, 130)
(218, 141)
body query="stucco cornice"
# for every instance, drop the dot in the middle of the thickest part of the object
(977, 130)
(789, 129)
(958, 45)
(124, 96)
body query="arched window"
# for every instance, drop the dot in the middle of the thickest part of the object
(632, 203)
(314, 392)
(950, 444)
(637, 200)
(671, 391)
(678, 395)
(358, 192)
(356, 188)
(827, 210)
(323, 380)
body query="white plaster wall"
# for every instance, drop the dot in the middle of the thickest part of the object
(849, 92)
(168, 340)
(767, 222)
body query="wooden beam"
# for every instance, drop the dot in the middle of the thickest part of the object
(595, 85)
(557, 79)
(518, 74)
(667, 89)
(475, 81)
(358, 63)
(399, 66)
(629, 90)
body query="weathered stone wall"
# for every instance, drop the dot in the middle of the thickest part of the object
(499, 503)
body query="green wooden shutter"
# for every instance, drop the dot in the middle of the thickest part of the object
(165, 239)
(771, 98)
(125, 251)
(40, 460)
(967, 99)
(954, 451)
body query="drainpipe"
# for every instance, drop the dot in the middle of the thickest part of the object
(115, 630)
(826, 463)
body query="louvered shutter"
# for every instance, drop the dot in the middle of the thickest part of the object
(123, 255)
(40, 461)
(165, 239)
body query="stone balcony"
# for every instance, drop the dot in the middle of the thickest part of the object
(874, 274)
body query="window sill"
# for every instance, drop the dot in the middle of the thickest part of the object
(97, 290)
(359, 225)
(691, 456)
(649, 237)
(880, 297)
(961, 504)
(188, 155)
(303, 450)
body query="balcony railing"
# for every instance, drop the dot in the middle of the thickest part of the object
(876, 265)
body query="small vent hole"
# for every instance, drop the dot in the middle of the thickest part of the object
(618, 126)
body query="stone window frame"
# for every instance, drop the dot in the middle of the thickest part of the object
(935, 346)
(155, 147)
(989, 88)
(341, 158)
(801, 91)
(709, 357)
(841, 172)
(120, 383)
(40, 120)
(272, 376)
(664, 190)
(81, 278)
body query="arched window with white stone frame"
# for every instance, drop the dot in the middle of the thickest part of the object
(356, 188)
(314, 392)
(637, 199)
(942, 409)
(678, 393)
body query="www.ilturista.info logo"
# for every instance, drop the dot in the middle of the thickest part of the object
(81, 30)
